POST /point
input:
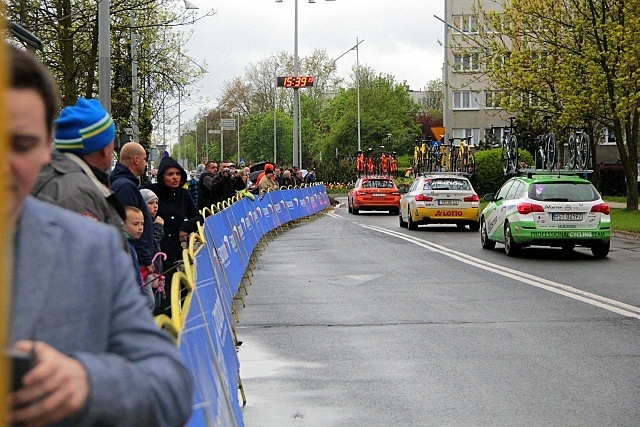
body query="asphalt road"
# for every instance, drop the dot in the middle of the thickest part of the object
(352, 321)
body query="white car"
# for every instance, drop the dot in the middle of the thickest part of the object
(443, 198)
(546, 210)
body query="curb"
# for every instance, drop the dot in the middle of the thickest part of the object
(629, 235)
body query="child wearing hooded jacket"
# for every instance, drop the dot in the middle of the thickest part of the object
(151, 199)
(156, 280)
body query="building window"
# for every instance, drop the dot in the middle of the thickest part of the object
(466, 133)
(465, 100)
(466, 62)
(496, 23)
(492, 98)
(465, 23)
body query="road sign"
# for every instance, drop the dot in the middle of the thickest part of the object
(214, 131)
(129, 131)
(228, 128)
(227, 122)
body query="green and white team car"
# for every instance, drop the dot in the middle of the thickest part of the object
(546, 210)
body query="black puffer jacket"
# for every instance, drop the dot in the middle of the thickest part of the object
(177, 209)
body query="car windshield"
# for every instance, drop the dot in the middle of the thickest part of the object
(377, 183)
(446, 184)
(563, 192)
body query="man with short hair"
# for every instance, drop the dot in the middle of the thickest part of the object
(204, 190)
(225, 184)
(192, 186)
(277, 175)
(98, 357)
(297, 177)
(311, 176)
(125, 184)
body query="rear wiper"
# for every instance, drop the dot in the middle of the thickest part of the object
(556, 199)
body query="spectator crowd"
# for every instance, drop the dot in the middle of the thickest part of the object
(114, 242)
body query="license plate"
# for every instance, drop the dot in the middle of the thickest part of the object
(448, 202)
(561, 216)
(377, 195)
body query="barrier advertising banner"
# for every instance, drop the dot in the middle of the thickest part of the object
(206, 341)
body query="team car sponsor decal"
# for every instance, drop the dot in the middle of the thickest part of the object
(492, 223)
(448, 213)
(572, 234)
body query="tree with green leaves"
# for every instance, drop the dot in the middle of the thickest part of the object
(385, 108)
(572, 59)
(69, 32)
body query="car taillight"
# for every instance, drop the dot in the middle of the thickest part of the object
(602, 208)
(395, 193)
(527, 208)
(473, 198)
(423, 198)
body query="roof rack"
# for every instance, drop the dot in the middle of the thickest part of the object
(530, 172)
(465, 174)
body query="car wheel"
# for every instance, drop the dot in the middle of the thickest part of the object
(601, 250)
(568, 248)
(403, 223)
(460, 225)
(412, 225)
(354, 210)
(511, 248)
(484, 237)
(394, 212)
(474, 226)
(348, 207)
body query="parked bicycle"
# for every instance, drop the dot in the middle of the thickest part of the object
(579, 147)
(547, 148)
(462, 159)
(437, 157)
(509, 144)
(393, 164)
(360, 164)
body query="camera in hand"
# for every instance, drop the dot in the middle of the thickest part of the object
(21, 363)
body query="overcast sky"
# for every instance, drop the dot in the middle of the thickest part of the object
(401, 37)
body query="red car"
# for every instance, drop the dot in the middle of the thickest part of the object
(379, 194)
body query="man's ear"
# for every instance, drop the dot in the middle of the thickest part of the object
(106, 152)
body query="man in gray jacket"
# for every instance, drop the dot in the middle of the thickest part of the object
(77, 178)
(96, 356)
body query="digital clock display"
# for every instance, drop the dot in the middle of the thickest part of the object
(295, 81)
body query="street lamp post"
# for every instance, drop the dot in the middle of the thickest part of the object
(333, 64)
(104, 51)
(104, 55)
(296, 68)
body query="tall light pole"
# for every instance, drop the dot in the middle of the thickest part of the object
(104, 55)
(296, 69)
(238, 130)
(135, 112)
(275, 115)
(332, 64)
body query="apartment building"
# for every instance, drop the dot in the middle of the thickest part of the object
(470, 100)
(470, 107)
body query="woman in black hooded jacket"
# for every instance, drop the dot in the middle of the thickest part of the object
(180, 215)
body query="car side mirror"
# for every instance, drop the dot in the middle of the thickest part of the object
(488, 197)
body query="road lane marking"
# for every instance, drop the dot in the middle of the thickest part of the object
(539, 282)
